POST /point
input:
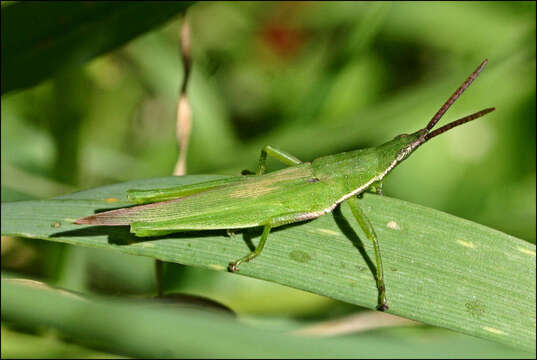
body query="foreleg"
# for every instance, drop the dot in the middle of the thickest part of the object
(277, 154)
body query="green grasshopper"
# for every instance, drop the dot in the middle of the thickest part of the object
(302, 191)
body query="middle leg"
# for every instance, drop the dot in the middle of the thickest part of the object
(367, 227)
(273, 222)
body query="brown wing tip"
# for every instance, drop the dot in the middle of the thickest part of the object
(85, 220)
(104, 218)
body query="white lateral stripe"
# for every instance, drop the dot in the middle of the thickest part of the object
(316, 214)
(361, 188)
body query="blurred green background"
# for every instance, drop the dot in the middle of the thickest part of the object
(310, 78)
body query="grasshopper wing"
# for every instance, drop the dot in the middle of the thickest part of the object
(242, 202)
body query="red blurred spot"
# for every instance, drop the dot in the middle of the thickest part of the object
(282, 39)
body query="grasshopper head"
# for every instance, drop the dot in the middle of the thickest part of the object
(406, 144)
(398, 149)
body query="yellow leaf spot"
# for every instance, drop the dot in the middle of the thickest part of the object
(148, 245)
(494, 330)
(467, 244)
(393, 225)
(526, 251)
(216, 267)
(328, 232)
(111, 200)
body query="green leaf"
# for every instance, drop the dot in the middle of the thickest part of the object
(39, 39)
(147, 329)
(439, 269)
(23, 345)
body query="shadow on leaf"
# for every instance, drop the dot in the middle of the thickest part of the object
(120, 235)
(349, 232)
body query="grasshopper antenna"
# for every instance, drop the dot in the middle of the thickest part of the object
(454, 97)
(457, 123)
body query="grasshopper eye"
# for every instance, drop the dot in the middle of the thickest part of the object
(402, 136)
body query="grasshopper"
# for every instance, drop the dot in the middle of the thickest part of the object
(302, 191)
